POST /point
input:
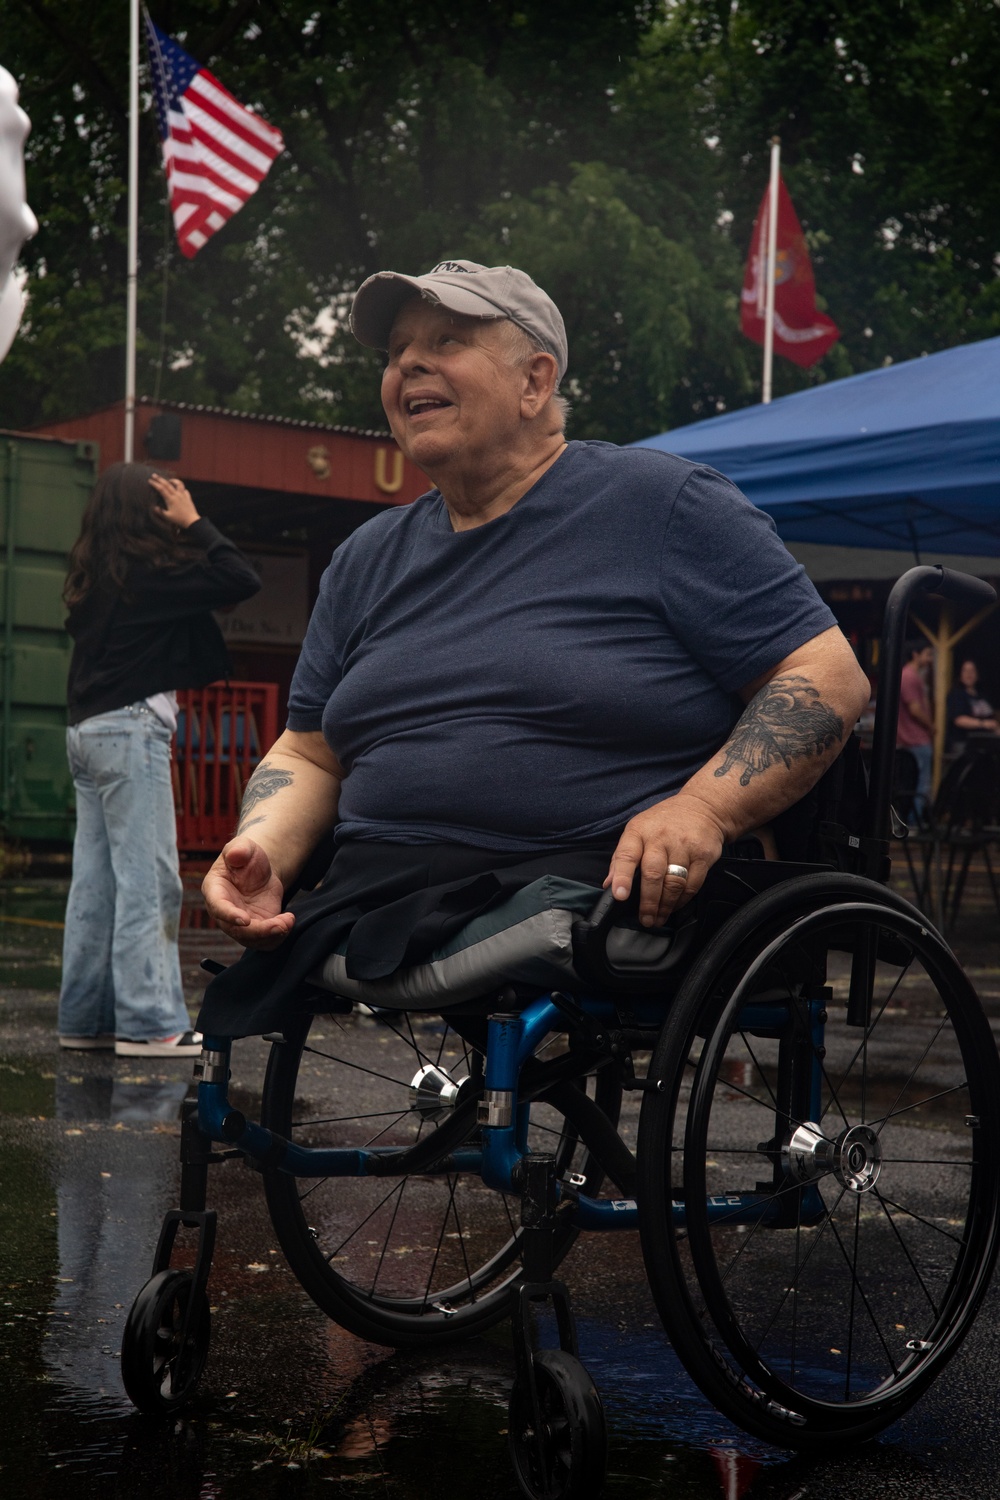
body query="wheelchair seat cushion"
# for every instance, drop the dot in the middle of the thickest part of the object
(395, 907)
(525, 939)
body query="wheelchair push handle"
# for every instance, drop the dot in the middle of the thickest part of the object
(949, 584)
(963, 588)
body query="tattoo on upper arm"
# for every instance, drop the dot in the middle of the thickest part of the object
(264, 782)
(785, 721)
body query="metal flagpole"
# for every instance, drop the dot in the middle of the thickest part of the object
(772, 252)
(133, 228)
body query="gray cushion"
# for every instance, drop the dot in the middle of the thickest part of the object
(527, 939)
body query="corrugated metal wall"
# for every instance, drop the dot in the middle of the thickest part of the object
(44, 486)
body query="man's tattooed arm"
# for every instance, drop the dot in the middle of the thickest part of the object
(784, 722)
(264, 782)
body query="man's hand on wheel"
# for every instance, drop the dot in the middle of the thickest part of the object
(679, 831)
(244, 896)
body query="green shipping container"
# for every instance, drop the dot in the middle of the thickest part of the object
(44, 486)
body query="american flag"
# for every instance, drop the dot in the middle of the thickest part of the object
(216, 152)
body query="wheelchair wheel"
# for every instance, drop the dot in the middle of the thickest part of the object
(417, 1259)
(160, 1366)
(566, 1458)
(819, 1177)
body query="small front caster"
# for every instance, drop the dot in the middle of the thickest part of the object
(165, 1343)
(559, 1448)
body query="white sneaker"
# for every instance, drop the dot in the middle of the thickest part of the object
(103, 1042)
(181, 1044)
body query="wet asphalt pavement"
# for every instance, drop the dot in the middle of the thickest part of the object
(290, 1405)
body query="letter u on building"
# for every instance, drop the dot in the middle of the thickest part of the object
(382, 481)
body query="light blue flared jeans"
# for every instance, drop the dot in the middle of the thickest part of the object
(121, 968)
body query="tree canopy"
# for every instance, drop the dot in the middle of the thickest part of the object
(616, 151)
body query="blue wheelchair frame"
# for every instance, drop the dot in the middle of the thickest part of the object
(503, 1121)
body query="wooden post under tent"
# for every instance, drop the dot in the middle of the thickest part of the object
(901, 462)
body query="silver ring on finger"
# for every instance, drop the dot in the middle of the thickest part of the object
(679, 871)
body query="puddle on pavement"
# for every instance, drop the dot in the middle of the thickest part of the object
(290, 1405)
(31, 930)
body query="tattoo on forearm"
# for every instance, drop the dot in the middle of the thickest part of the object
(264, 782)
(786, 721)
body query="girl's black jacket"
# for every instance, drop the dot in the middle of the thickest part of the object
(157, 633)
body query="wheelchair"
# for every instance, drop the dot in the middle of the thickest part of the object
(815, 1185)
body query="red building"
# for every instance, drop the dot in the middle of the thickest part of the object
(287, 492)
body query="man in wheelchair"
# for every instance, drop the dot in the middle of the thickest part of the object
(574, 674)
(533, 667)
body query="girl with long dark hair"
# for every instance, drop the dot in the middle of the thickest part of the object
(144, 574)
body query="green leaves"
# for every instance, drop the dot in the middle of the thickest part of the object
(617, 152)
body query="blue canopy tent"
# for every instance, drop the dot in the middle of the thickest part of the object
(903, 457)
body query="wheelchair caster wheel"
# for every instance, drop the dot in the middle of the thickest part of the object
(161, 1363)
(566, 1458)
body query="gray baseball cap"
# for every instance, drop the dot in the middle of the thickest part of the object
(462, 286)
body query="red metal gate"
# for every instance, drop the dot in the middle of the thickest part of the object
(223, 732)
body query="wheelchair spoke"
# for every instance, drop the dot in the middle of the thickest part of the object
(905, 1249)
(924, 1161)
(461, 1245)
(409, 1039)
(358, 1067)
(440, 1240)
(388, 1234)
(866, 1037)
(808, 1256)
(804, 1017)
(760, 1070)
(816, 1283)
(957, 1088)
(434, 1250)
(728, 1084)
(911, 1214)
(378, 1114)
(852, 1266)
(396, 1188)
(320, 1182)
(386, 1128)
(914, 1070)
(510, 1217)
(725, 1151)
(800, 1266)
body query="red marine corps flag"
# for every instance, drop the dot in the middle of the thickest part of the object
(216, 152)
(801, 333)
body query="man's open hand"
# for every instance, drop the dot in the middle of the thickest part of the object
(682, 830)
(244, 896)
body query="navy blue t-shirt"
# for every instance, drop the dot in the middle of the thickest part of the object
(539, 679)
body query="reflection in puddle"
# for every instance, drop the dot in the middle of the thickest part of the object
(290, 1404)
(287, 1394)
(31, 931)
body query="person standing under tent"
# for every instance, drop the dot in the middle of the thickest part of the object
(915, 728)
(968, 711)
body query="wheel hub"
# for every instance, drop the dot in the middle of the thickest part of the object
(854, 1158)
(433, 1092)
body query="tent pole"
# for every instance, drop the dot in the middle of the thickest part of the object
(942, 687)
(772, 251)
(133, 229)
